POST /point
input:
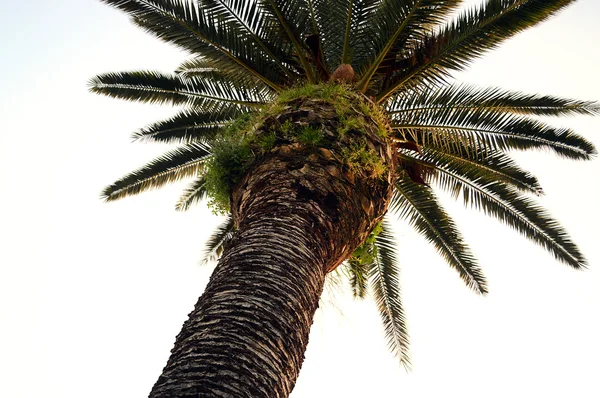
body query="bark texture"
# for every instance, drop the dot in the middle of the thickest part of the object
(300, 212)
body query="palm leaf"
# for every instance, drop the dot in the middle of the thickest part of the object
(493, 166)
(187, 25)
(186, 161)
(247, 20)
(155, 87)
(491, 130)
(385, 285)
(497, 199)
(294, 20)
(463, 97)
(188, 126)
(358, 42)
(473, 33)
(394, 25)
(419, 206)
(359, 276)
(330, 17)
(198, 69)
(193, 194)
(215, 244)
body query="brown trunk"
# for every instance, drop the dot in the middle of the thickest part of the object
(300, 212)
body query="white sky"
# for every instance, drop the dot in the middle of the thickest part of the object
(93, 294)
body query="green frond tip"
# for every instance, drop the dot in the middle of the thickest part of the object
(216, 243)
(193, 194)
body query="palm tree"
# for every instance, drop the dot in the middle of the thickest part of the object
(307, 122)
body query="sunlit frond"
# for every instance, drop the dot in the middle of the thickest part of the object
(187, 25)
(193, 194)
(186, 161)
(494, 166)
(188, 126)
(199, 69)
(474, 32)
(468, 98)
(216, 243)
(394, 27)
(155, 87)
(491, 130)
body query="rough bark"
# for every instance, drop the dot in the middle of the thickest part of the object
(300, 212)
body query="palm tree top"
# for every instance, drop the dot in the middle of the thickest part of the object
(246, 56)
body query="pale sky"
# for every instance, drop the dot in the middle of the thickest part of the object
(93, 294)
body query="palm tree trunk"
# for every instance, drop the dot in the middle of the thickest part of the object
(299, 214)
(248, 332)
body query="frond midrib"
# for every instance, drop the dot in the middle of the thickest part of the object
(491, 108)
(141, 135)
(495, 132)
(178, 92)
(346, 45)
(308, 70)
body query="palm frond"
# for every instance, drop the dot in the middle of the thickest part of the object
(247, 20)
(155, 87)
(188, 126)
(330, 18)
(474, 32)
(186, 161)
(294, 22)
(492, 166)
(359, 276)
(464, 97)
(193, 194)
(198, 69)
(215, 244)
(495, 198)
(418, 204)
(187, 25)
(392, 28)
(491, 130)
(385, 286)
(358, 44)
